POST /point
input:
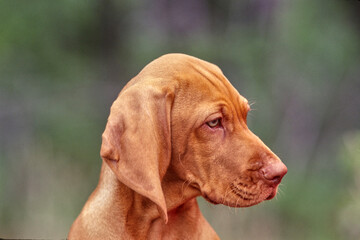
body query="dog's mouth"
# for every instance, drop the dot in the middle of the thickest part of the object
(272, 194)
(241, 197)
(230, 201)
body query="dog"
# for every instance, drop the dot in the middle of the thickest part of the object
(176, 131)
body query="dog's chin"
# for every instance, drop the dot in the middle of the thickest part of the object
(210, 200)
(232, 201)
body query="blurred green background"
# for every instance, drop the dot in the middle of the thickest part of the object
(62, 63)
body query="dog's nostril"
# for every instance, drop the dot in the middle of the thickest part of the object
(276, 180)
(274, 172)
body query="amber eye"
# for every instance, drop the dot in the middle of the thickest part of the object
(214, 123)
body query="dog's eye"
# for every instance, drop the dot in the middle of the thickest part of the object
(214, 123)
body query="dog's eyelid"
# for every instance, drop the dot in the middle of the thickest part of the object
(214, 116)
(214, 120)
(215, 123)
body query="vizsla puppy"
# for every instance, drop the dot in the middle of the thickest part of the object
(176, 131)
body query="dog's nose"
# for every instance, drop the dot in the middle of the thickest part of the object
(274, 172)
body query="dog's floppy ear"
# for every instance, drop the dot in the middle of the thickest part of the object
(136, 143)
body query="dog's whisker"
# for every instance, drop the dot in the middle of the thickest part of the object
(279, 193)
(236, 204)
(252, 102)
(185, 185)
(183, 189)
(181, 163)
(225, 195)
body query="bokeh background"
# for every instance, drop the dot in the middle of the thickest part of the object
(62, 63)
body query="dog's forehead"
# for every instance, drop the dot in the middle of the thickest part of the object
(175, 64)
(192, 72)
(209, 78)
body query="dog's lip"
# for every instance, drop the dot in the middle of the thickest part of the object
(272, 194)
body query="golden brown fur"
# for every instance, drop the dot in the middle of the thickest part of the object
(176, 131)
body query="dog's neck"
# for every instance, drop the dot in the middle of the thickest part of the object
(121, 206)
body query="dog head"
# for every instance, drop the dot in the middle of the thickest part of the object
(182, 113)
